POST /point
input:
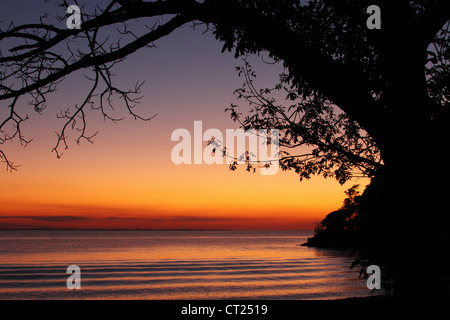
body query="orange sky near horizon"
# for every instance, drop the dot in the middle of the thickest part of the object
(126, 179)
(136, 186)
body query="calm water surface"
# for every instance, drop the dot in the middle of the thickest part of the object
(173, 265)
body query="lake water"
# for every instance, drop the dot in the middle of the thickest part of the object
(173, 265)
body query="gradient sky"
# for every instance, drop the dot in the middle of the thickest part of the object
(126, 179)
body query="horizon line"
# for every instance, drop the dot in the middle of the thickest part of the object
(112, 229)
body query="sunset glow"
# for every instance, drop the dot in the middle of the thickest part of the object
(126, 179)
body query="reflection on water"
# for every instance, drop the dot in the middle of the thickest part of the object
(173, 265)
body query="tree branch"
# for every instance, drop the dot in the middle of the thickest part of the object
(432, 21)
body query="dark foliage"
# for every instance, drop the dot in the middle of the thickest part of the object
(339, 228)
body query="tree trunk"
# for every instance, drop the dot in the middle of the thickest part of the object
(405, 215)
(417, 233)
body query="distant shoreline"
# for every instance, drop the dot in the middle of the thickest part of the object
(46, 229)
(96, 229)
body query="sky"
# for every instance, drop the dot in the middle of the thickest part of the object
(126, 178)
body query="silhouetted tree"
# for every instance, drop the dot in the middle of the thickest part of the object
(339, 229)
(372, 101)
